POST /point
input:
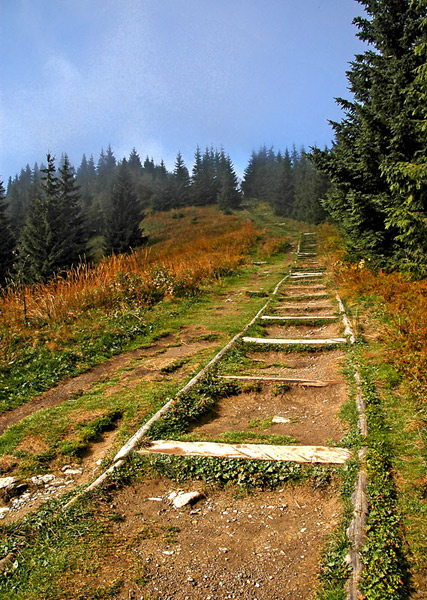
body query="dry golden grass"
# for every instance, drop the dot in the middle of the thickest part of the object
(189, 255)
(404, 302)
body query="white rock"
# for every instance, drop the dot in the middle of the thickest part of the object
(72, 471)
(278, 419)
(6, 482)
(186, 498)
(65, 467)
(3, 512)
(57, 482)
(42, 479)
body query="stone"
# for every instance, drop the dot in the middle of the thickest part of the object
(6, 482)
(72, 471)
(43, 479)
(183, 499)
(278, 419)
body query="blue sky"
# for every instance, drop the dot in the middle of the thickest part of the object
(166, 75)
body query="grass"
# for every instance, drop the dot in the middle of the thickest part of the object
(390, 314)
(67, 326)
(45, 439)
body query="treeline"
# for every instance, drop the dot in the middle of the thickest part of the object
(378, 163)
(288, 181)
(54, 217)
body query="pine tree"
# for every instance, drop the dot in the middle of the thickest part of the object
(53, 237)
(72, 234)
(134, 163)
(229, 196)
(86, 181)
(123, 230)
(38, 248)
(283, 195)
(7, 241)
(181, 181)
(378, 133)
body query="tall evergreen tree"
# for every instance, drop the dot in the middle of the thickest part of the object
(283, 196)
(134, 163)
(377, 133)
(181, 180)
(39, 250)
(73, 235)
(53, 237)
(7, 241)
(229, 196)
(123, 231)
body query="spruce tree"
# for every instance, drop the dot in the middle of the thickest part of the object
(284, 189)
(378, 133)
(7, 241)
(53, 238)
(181, 182)
(72, 234)
(123, 231)
(39, 249)
(229, 196)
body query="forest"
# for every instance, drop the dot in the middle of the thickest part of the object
(371, 183)
(53, 218)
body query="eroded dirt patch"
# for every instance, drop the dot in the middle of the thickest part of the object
(265, 547)
(283, 330)
(153, 358)
(311, 414)
(321, 365)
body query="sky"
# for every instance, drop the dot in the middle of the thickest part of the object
(167, 75)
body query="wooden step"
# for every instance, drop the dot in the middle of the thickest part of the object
(306, 274)
(294, 341)
(300, 318)
(290, 381)
(297, 454)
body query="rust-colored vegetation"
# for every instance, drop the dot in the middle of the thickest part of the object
(187, 250)
(405, 308)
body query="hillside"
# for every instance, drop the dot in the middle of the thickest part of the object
(136, 330)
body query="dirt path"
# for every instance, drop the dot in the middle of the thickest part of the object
(229, 545)
(265, 546)
(154, 361)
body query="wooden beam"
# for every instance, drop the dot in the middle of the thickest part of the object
(291, 381)
(300, 317)
(298, 454)
(300, 341)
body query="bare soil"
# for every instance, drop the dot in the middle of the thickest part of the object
(154, 357)
(319, 365)
(312, 306)
(263, 547)
(327, 330)
(312, 413)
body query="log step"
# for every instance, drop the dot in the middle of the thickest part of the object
(291, 341)
(300, 317)
(305, 274)
(291, 381)
(298, 454)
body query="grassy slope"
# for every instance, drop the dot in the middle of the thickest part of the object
(390, 314)
(49, 544)
(51, 435)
